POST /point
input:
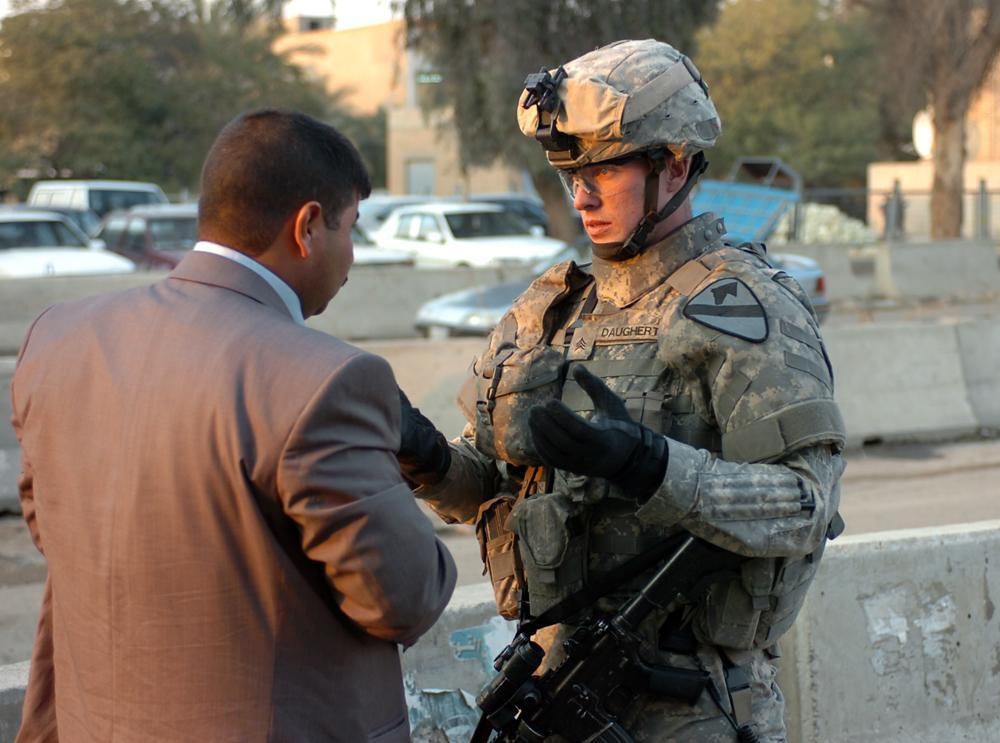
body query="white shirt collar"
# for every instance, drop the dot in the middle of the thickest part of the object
(283, 290)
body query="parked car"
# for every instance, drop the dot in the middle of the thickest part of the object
(528, 208)
(99, 196)
(459, 234)
(477, 310)
(86, 219)
(366, 253)
(153, 236)
(374, 210)
(39, 243)
(810, 276)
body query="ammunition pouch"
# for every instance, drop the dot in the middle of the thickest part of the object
(507, 387)
(757, 605)
(552, 542)
(498, 550)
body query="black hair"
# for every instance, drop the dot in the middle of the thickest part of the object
(264, 166)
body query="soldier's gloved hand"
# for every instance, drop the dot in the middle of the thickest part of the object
(610, 445)
(424, 455)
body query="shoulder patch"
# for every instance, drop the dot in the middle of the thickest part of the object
(731, 306)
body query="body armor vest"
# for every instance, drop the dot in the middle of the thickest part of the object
(561, 528)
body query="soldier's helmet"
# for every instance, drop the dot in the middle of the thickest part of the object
(625, 98)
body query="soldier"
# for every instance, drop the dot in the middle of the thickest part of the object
(678, 386)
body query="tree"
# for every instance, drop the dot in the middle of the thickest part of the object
(792, 79)
(483, 50)
(135, 89)
(945, 50)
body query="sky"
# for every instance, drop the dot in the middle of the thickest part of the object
(349, 13)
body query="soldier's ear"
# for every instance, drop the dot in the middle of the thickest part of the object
(675, 171)
(306, 221)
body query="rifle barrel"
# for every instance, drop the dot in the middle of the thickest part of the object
(648, 599)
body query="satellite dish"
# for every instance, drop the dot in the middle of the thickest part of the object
(923, 134)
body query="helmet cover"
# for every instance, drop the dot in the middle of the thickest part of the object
(621, 99)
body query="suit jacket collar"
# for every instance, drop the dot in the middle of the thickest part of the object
(214, 270)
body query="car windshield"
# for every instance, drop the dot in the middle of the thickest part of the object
(485, 224)
(174, 233)
(85, 219)
(38, 234)
(103, 201)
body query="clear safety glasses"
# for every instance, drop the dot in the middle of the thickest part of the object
(594, 180)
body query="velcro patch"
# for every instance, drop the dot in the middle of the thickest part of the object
(731, 306)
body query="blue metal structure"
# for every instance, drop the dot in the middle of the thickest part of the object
(751, 211)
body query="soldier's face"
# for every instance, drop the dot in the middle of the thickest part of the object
(610, 199)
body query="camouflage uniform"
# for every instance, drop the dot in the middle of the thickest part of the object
(711, 347)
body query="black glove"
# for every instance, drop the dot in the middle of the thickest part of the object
(424, 455)
(610, 445)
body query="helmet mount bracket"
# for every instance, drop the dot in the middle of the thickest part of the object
(543, 93)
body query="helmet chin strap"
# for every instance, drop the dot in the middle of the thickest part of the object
(636, 242)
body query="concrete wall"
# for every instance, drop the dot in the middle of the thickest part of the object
(962, 270)
(899, 640)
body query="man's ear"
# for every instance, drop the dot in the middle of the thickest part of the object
(305, 222)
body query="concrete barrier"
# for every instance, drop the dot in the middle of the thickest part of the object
(905, 381)
(13, 682)
(381, 301)
(979, 347)
(945, 269)
(906, 271)
(377, 302)
(849, 275)
(899, 640)
(895, 382)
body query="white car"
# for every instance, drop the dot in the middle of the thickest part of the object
(443, 234)
(366, 253)
(100, 197)
(39, 243)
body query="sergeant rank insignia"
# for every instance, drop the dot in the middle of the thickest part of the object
(731, 306)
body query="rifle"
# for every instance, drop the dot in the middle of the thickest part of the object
(601, 665)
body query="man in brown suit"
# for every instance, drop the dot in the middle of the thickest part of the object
(232, 552)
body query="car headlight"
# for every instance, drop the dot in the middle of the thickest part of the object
(483, 320)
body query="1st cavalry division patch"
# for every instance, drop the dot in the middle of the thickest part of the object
(731, 306)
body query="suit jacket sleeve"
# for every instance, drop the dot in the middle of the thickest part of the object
(339, 481)
(38, 712)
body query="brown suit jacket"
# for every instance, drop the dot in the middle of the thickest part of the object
(232, 552)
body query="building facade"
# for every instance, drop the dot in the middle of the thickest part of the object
(369, 68)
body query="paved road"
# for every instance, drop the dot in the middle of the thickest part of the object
(885, 487)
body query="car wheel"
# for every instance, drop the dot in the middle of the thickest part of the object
(437, 332)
